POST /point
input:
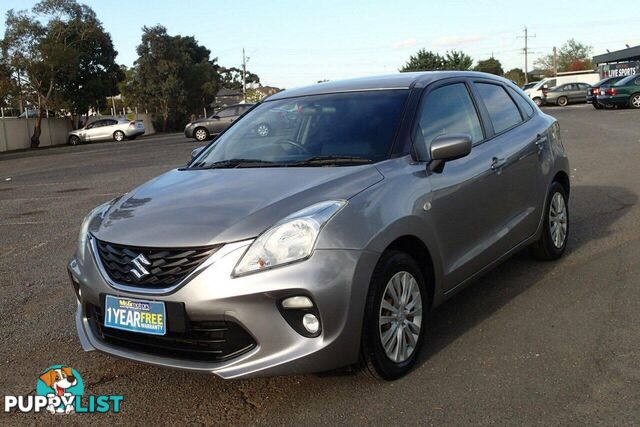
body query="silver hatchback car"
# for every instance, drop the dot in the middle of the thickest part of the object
(114, 129)
(325, 244)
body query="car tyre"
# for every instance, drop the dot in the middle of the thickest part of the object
(396, 272)
(263, 130)
(597, 106)
(201, 134)
(538, 101)
(634, 100)
(551, 245)
(118, 136)
(562, 101)
(74, 140)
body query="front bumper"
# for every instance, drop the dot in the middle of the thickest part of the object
(188, 131)
(336, 280)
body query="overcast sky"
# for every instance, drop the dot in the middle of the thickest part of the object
(293, 43)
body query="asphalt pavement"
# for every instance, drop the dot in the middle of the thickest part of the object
(530, 343)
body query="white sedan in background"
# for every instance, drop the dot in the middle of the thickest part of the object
(116, 129)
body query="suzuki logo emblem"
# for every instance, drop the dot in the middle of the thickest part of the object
(139, 267)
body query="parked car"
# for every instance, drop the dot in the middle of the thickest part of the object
(204, 129)
(624, 93)
(116, 129)
(564, 94)
(536, 93)
(271, 255)
(594, 90)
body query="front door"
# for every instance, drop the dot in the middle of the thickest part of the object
(464, 193)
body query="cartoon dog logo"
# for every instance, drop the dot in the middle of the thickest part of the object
(60, 379)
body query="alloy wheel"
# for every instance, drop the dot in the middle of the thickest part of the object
(558, 220)
(119, 136)
(635, 101)
(400, 317)
(201, 134)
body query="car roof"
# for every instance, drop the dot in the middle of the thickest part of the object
(380, 82)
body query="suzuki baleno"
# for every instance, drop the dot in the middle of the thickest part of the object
(327, 242)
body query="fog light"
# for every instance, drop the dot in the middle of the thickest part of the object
(297, 302)
(311, 323)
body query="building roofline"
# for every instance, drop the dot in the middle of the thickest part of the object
(632, 53)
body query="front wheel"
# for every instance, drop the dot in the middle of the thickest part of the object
(597, 106)
(118, 136)
(394, 322)
(634, 100)
(555, 233)
(562, 101)
(201, 134)
(263, 130)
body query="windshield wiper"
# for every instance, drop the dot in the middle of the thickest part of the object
(238, 163)
(331, 160)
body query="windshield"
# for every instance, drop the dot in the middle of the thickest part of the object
(626, 80)
(333, 129)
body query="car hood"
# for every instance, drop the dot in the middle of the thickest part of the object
(190, 208)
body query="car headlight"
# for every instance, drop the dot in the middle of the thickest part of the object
(290, 240)
(84, 228)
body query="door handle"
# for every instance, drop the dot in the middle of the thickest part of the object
(497, 163)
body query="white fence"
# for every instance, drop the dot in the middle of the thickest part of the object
(15, 134)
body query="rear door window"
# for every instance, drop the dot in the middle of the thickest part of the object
(446, 110)
(502, 110)
(227, 112)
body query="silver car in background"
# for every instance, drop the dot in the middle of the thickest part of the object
(107, 129)
(327, 243)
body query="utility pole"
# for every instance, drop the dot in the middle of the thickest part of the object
(526, 53)
(555, 62)
(244, 76)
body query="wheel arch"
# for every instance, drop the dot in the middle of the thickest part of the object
(563, 179)
(419, 251)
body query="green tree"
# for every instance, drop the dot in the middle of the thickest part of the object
(424, 60)
(58, 54)
(572, 56)
(458, 60)
(173, 75)
(491, 65)
(516, 75)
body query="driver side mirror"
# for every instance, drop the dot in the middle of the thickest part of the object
(449, 147)
(196, 152)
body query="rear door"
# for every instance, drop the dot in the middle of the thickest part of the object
(464, 193)
(522, 139)
(107, 129)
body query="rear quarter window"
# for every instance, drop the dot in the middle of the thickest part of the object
(524, 105)
(502, 110)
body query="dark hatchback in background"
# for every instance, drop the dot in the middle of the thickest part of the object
(565, 94)
(625, 93)
(204, 129)
(594, 90)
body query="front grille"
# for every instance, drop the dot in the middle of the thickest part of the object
(209, 341)
(166, 267)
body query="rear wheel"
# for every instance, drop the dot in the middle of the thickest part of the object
(562, 101)
(555, 234)
(597, 106)
(394, 322)
(538, 101)
(634, 100)
(118, 136)
(74, 140)
(201, 134)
